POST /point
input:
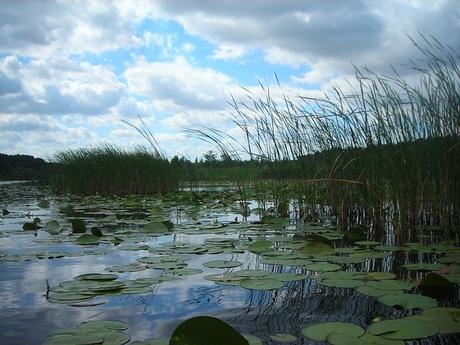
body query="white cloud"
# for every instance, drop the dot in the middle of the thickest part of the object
(57, 86)
(178, 85)
(228, 52)
(52, 27)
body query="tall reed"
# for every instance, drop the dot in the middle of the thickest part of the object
(385, 146)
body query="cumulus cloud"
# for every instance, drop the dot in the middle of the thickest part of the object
(178, 85)
(56, 86)
(44, 28)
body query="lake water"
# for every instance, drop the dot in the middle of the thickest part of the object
(32, 261)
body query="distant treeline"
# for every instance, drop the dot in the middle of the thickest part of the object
(23, 167)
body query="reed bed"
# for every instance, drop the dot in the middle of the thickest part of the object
(110, 170)
(382, 148)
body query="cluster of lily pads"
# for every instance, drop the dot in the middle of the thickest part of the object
(441, 320)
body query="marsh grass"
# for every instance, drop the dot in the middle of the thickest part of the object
(110, 170)
(381, 148)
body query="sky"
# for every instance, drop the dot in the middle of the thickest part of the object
(72, 71)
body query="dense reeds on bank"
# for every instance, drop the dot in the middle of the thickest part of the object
(383, 149)
(112, 170)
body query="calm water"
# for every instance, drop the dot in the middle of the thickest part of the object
(27, 316)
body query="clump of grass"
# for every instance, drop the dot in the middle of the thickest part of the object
(111, 170)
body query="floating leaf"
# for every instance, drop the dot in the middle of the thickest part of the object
(403, 329)
(155, 227)
(53, 227)
(260, 247)
(343, 339)
(391, 285)
(342, 283)
(423, 267)
(261, 284)
(408, 301)
(369, 339)
(87, 239)
(380, 275)
(316, 248)
(447, 319)
(203, 330)
(322, 267)
(320, 331)
(222, 264)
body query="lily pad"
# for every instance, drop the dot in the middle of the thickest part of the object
(261, 284)
(447, 319)
(391, 285)
(403, 329)
(320, 331)
(53, 227)
(87, 239)
(222, 264)
(408, 301)
(322, 267)
(380, 275)
(342, 283)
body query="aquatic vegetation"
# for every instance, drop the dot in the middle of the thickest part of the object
(382, 152)
(112, 170)
(284, 276)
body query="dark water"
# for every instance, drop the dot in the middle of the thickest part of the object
(27, 317)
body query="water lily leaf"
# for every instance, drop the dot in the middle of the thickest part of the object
(369, 339)
(53, 227)
(252, 273)
(100, 325)
(78, 226)
(261, 284)
(316, 248)
(391, 285)
(96, 276)
(320, 331)
(370, 291)
(155, 227)
(380, 275)
(423, 267)
(87, 239)
(222, 264)
(72, 339)
(447, 319)
(343, 339)
(322, 267)
(283, 337)
(403, 329)
(342, 283)
(204, 330)
(260, 247)
(289, 277)
(408, 301)
(367, 243)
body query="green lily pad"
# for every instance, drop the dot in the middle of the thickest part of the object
(53, 227)
(203, 330)
(260, 247)
(344, 275)
(403, 329)
(108, 325)
(370, 291)
(261, 284)
(43, 204)
(380, 275)
(447, 319)
(423, 267)
(367, 243)
(252, 273)
(343, 339)
(72, 339)
(342, 283)
(87, 239)
(322, 267)
(369, 339)
(289, 277)
(283, 337)
(96, 276)
(316, 248)
(155, 227)
(408, 301)
(391, 285)
(320, 331)
(222, 264)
